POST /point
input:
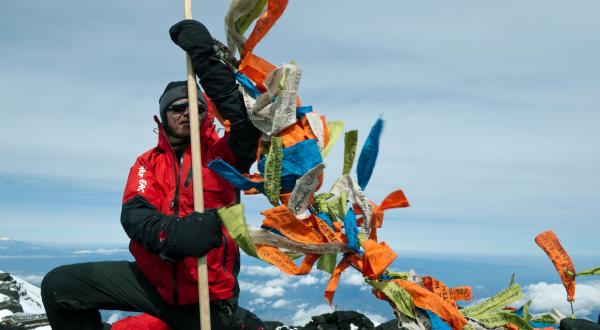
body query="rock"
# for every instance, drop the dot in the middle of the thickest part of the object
(5, 277)
(339, 320)
(578, 324)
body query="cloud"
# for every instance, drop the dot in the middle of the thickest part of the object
(34, 279)
(281, 303)
(305, 280)
(264, 291)
(546, 296)
(280, 281)
(353, 277)
(101, 251)
(270, 291)
(257, 302)
(277, 286)
(303, 315)
(260, 271)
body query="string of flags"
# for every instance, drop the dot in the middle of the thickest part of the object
(338, 228)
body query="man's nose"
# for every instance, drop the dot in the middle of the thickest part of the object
(186, 113)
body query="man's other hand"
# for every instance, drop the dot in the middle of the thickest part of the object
(193, 37)
(195, 235)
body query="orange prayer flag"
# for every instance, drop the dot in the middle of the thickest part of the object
(275, 9)
(335, 279)
(462, 293)
(298, 132)
(328, 233)
(377, 258)
(275, 257)
(439, 288)
(285, 198)
(395, 199)
(257, 69)
(561, 260)
(426, 299)
(284, 221)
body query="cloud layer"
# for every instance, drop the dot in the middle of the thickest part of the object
(490, 114)
(546, 296)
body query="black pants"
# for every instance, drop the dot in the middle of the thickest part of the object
(73, 294)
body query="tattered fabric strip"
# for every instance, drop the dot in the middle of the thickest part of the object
(350, 142)
(368, 155)
(264, 237)
(304, 189)
(561, 260)
(240, 15)
(335, 129)
(501, 299)
(275, 9)
(234, 221)
(297, 159)
(355, 195)
(272, 175)
(275, 110)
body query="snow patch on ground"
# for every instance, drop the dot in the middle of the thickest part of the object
(30, 297)
(4, 312)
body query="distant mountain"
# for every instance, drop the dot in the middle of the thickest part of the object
(10, 248)
(14, 248)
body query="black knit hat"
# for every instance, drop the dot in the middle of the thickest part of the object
(176, 90)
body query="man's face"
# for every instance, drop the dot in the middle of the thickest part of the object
(178, 118)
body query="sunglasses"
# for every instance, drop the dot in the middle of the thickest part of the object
(181, 108)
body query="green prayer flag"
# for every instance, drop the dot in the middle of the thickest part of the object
(544, 318)
(243, 23)
(234, 221)
(350, 142)
(494, 320)
(273, 170)
(327, 262)
(335, 129)
(588, 272)
(402, 299)
(499, 300)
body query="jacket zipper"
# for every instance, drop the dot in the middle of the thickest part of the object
(226, 245)
(175, 205)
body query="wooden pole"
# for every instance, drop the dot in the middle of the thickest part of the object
(203, 296)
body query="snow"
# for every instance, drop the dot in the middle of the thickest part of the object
(3, 298)
(4, 312)
(29, 297)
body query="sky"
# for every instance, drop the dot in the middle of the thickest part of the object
(491, 112)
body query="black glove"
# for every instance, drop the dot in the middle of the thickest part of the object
(194, 235)
(193, 37)
(219, 83)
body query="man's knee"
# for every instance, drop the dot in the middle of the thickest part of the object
(52, 283)
(60, 285)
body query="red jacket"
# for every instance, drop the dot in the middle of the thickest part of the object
(158, 188)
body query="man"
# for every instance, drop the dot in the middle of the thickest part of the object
(167, 236)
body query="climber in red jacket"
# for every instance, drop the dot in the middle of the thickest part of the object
(167, 236)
